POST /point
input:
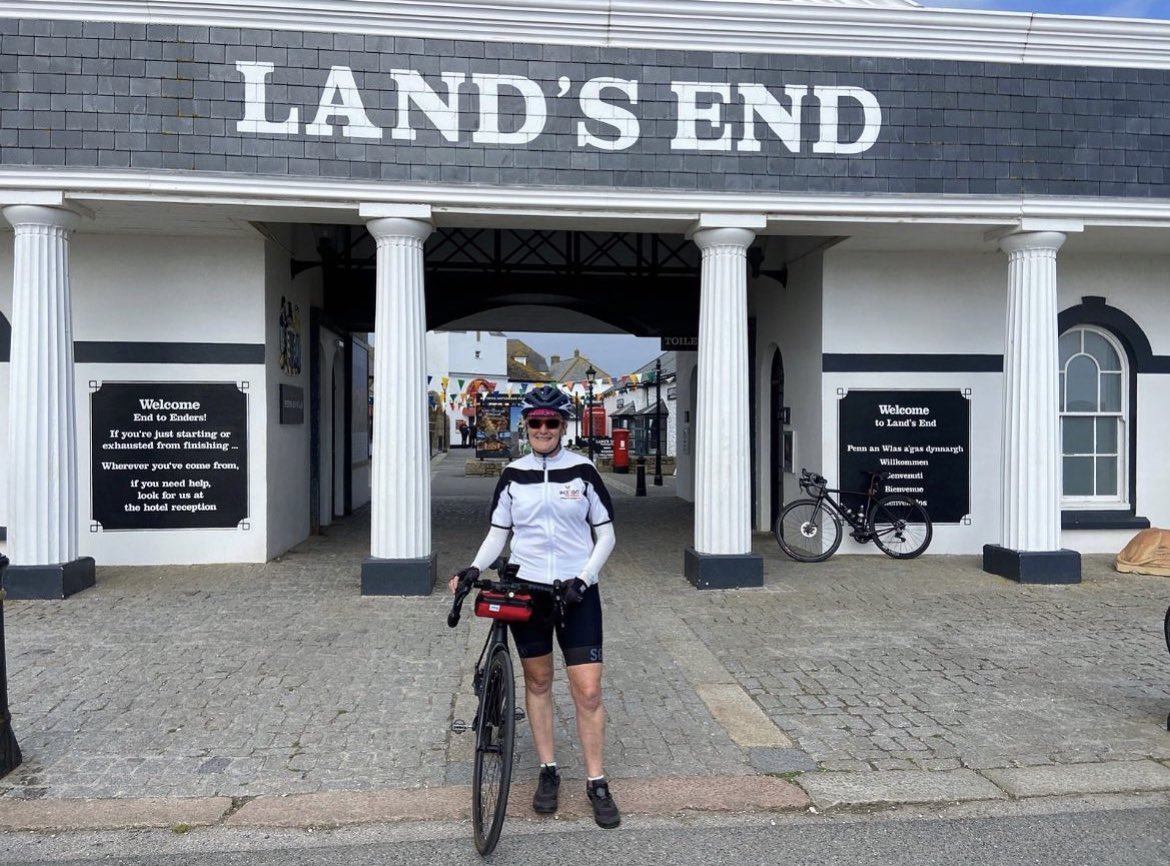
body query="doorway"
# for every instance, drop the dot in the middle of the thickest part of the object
(776, 436)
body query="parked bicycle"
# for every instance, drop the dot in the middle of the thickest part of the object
(810, 530)
(504, 600)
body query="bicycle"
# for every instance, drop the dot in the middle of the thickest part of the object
(504, 600)
(809, 530)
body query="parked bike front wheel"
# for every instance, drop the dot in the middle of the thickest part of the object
(495, 736)
(900, 526)
(808, 531)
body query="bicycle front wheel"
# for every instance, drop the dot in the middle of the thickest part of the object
(900, 526)
(808, 531)
(495, 735)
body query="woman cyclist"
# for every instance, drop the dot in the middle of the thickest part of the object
(560, 516)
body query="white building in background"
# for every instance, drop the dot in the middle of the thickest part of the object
(933, 242)
(459, 365)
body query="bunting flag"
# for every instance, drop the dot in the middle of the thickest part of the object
(445, 380)
(460, 381)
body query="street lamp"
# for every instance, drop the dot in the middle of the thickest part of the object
(589, 374)
(657, 422)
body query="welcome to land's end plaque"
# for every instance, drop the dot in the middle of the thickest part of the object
(921, 438)
(169, 455)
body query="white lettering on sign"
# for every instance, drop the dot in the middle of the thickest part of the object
(625, 122)
(895, 409)
(709, 116)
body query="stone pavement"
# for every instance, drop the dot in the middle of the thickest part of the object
(274, 694)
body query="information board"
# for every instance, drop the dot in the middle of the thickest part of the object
(169, 455)
(496, 421)
(921, 438)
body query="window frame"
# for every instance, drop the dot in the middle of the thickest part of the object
(1120, 500)
(1138, 355)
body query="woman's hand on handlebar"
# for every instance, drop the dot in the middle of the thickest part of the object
(468, 574)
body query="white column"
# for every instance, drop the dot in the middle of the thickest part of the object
(722, 458)
(42, 454)
(1031, 478)
(401, 484)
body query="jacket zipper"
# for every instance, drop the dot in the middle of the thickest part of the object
(547, 520)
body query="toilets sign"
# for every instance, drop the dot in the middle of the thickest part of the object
(605, 113)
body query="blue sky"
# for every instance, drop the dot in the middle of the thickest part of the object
(1109, 8)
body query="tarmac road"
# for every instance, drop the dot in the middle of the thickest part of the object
(1124, 831)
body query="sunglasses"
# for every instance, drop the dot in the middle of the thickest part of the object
(546, 423)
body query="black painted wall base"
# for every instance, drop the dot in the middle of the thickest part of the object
(723, 570)
(399, 576)
(1033, 566)
(50, 581)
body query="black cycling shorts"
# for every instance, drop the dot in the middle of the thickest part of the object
(580, 639)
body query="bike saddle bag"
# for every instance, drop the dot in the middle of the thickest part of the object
(516, 607)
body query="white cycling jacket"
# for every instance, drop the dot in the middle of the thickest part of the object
(554, 507)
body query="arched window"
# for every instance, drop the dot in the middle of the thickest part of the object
(1094, 418)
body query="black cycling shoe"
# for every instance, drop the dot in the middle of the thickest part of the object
(545, 800)
(605, 810)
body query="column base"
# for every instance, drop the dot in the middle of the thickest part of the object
(59, 580)
(723, 570)
(399, 576)
(1033, 566)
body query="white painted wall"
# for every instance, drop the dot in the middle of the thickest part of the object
(481, 353)
(287, 444)
(789, 319)
(181, 290)
(199, 290)
(6, 242)
(921, 302)
(1139, 285)
(915, 302)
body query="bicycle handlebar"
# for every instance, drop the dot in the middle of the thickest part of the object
(469, 579)
(811, 479)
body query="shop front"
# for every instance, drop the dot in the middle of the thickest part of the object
(951, 228)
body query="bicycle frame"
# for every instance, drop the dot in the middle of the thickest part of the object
(856, 519)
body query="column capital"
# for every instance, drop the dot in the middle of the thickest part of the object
(1028, 241)
(41, 215)
(399, 227)
(714, 237)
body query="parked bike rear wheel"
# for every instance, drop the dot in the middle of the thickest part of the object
(495, 735)
(808, 531)
(900, 526)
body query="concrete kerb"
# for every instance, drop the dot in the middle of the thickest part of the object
(817, 791)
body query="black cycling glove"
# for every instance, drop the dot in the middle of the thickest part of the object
(575, 591)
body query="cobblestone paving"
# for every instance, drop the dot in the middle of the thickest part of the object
(279, 678)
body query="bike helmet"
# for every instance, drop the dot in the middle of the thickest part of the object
(545, 401)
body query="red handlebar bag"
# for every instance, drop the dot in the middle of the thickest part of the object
(509, 608)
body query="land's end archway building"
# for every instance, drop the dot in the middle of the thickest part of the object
(930, 242)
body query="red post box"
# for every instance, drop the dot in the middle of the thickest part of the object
(621, 451)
